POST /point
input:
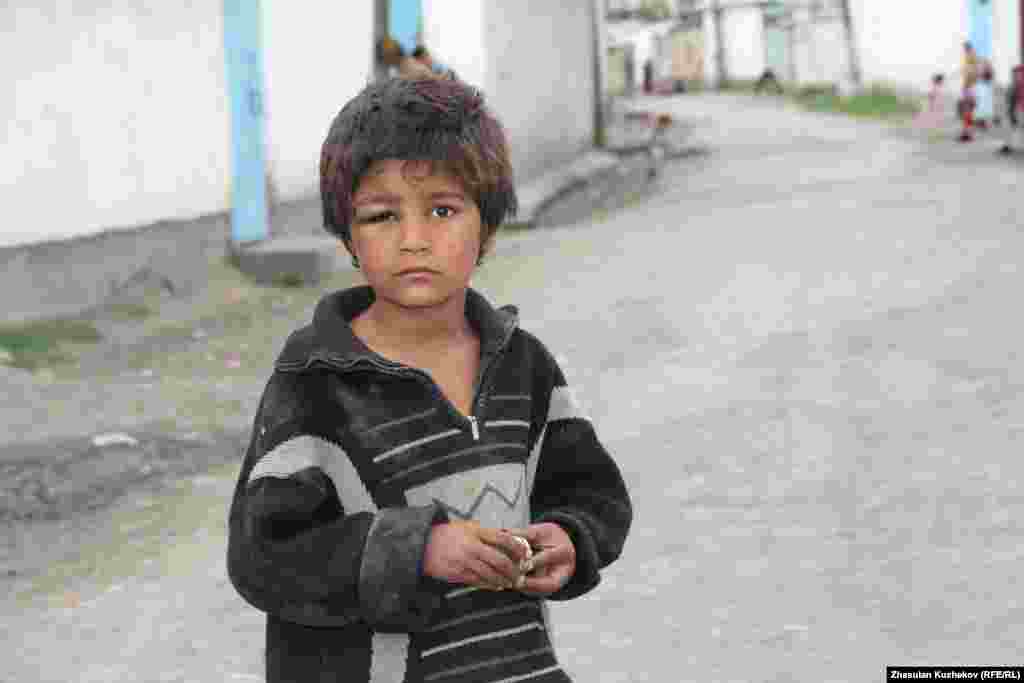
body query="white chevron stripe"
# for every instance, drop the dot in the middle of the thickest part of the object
(389, 654)
(390, 650)
(563, 405)
(460, 591)
(508, 423)
(413, 444)
(533, 461)
(301, 452)
(534, 674)
(483, 636)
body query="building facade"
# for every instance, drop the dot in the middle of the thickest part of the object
(535, 61)
(119, 114)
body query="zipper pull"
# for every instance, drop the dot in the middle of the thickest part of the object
(475, 427)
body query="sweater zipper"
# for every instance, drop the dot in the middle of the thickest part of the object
(405, 371)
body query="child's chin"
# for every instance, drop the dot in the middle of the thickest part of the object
(422, 297)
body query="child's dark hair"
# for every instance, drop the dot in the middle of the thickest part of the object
(442, 121)
(938, 79)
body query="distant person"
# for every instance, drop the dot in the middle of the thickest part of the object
(984, 95)
(648, 77)
(930, 116)
(390, 54)
(1014, 112)
(768, 79)
(967, 104)
(423, 56)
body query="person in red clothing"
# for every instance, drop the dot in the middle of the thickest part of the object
(969, 71)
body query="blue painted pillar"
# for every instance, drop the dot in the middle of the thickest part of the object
(244, 70)
(981, 27)
(404, 18)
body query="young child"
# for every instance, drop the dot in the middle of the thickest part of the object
(984, 95)
(411, 432)
(967, 103)
(1014, 112)
(930, 117)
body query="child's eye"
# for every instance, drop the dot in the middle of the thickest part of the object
(379, 217)
(444, 211)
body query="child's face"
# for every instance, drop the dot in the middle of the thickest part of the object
(423, 222)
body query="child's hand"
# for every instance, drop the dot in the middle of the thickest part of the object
(465, 552)
(553, 561)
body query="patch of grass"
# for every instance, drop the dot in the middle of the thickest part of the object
(289, 280)
(164, 532)
(38, 344)
(877, 102)
(129, 310)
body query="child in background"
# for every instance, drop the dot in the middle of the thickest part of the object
(984, 113)
(1015, 112)
(412, 433)
(967, 103)
(930, 117)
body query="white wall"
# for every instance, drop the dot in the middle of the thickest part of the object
(711, 74)
(453, 30)
(743, 31)
(116, 116)
(1005, 38)
(903, 45)
(118, 113)
(317, 56)
(540, 79)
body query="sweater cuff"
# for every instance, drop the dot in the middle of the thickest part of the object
(586, 577)
(391, 590)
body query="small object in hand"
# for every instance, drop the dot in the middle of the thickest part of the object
(525, 566)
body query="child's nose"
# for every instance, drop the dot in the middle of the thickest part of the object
(415, 233)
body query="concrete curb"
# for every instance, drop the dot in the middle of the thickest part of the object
(537, 194)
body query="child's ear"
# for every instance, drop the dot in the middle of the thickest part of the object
(485, 245)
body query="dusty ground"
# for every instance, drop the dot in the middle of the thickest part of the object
(802, 348)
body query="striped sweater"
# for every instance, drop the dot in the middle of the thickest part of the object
(353, 458)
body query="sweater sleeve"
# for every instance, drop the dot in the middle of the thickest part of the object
(577, 485)
(306, 541)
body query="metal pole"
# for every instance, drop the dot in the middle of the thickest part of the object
(851, 45)
(380, 31)
(598, 43)
(723, 76)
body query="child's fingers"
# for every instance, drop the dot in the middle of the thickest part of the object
(550, 558)
(504, 541)
(547, 582)
(495, 565)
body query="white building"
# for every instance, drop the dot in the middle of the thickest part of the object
(534, 60)
(901, 44)
(118, 114)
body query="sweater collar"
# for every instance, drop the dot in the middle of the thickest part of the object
(330, 334)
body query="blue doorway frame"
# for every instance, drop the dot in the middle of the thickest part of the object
(244, 70)
(980, 12)
(405, 22)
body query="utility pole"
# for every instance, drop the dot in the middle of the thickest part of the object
(598, 12)
(851, 45)
(723, 75)
(380, 31)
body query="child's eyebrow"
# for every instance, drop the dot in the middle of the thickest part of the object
(377, 198)
(448, 195)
